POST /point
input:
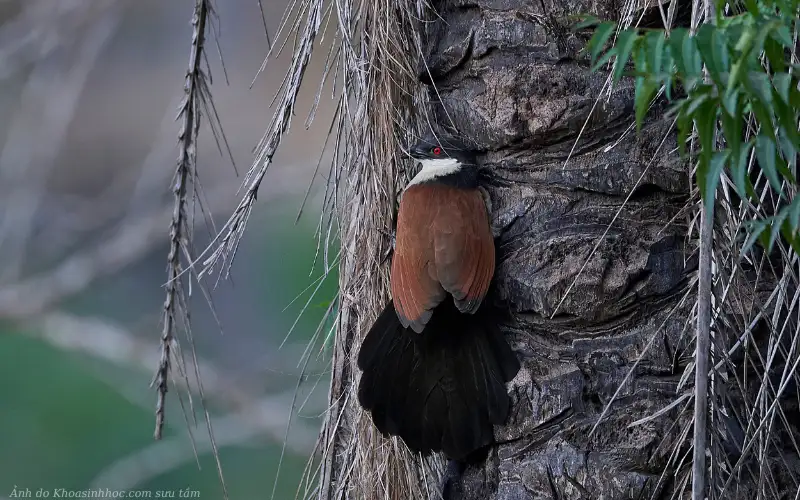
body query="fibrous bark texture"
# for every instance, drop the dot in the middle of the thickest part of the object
(593, 259)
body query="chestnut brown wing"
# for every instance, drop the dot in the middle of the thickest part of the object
(415, 289)
(444, 245)
(464, 248)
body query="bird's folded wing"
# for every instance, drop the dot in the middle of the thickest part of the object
(415, 293)
(444, 245)
(415, 288)
(464, 249)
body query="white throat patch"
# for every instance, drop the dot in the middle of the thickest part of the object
(433, 168)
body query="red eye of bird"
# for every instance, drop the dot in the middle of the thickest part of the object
(437, 150)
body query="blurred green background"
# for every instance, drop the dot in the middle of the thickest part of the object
(88, 93)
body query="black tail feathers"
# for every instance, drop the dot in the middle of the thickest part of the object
(442, 389)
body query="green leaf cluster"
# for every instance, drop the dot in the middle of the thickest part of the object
(733, 83)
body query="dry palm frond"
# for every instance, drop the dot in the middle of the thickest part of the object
(744, 302)
(703, 332)
(746, 393)
(369, 70)
(187, 199)
(746, 423)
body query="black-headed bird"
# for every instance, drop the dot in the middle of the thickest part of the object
(435, 362)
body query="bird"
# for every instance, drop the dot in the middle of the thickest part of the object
(435, 363)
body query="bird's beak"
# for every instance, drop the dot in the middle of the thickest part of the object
(418, 151)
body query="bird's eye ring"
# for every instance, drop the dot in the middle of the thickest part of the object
(437, 151)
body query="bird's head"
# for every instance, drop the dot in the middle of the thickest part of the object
(431, 149)
(444, 158)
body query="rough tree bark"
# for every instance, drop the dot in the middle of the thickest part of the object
(509, 75)
(594, 262)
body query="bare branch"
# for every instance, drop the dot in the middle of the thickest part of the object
(223, 249)
(44, 26)
(32, 146)
(703, 351)
(703, 335)
(133, 238)
(179, 231)
(266, 416)
(109, 341)
(153, 176)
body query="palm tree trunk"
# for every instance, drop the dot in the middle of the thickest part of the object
(595, 261)
(591, 249)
